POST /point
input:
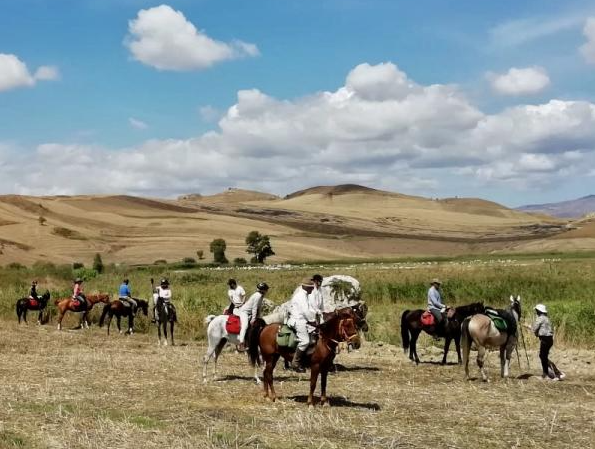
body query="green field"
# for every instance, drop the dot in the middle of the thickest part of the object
(564, 284)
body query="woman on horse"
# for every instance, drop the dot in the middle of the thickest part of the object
(302, 316)
(78, 294)
(236, 295)
(162, 292)
(125, 295)
(250, 311)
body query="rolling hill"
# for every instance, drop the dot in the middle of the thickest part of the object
(321, 223)
(564, 209)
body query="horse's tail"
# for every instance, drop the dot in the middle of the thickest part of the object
(466, 342)
(405, 331)
(253, 341)
(209, 318)
(104, 314)
(19, 309)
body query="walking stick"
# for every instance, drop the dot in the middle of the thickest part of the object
(518, 357)
(525, 347)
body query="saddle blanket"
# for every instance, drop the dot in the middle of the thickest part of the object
(498, 321)
(233, 324)
(33, 302)
(427, 319)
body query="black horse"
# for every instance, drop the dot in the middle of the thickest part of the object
(411, 327)
(119, 309)
(25, 304)
(165, 313)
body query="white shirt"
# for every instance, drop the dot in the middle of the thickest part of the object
(300, 309)
(315, 301)
(253, 305)
(164, 293)
(237, 295)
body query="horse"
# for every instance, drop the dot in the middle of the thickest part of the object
(66, 304)
(165, 313)
(339, 326)
(118, 309)
(481, 331)
(218, 337)
(411, 327)
(25, 304)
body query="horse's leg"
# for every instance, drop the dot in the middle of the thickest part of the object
(109, 322)
(481, 351)
(314, 371)
(323, 378)
(130, 323)
(457, 340)
(414, 336)
(447, 339)
(60, 319)
(119, 323)
(171, 330)
(503, 362)
(165, 333)
(268, 376)
(159, 333)
(25, 315)
(218, 349)
(39, 316)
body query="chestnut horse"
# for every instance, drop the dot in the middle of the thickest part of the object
(25, 304)
(339, 326)
(411, 327)
(66, 304)
(118, 309)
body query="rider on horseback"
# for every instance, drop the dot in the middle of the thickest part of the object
(302, 317)
(236, 294)
(125, 295)
(435, 305)
(250, 311)
(78, 294)
(163, 293)
(33, 292)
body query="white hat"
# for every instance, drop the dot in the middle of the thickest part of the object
(541, 308)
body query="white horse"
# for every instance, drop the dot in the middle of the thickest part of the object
(218, 337)
(482, 332)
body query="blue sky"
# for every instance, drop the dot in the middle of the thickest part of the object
(108, 104)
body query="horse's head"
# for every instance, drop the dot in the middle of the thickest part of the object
(341, 327)
(45, 297)
(144, 306)
(515, 305)
(360, 311)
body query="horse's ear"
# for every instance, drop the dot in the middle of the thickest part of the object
(518, 298)
(511, 298)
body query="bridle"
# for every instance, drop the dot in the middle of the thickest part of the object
(343, 335)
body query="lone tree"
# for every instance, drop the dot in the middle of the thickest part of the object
(98, 263)
(201, 254)
(260, 246)
(42, 220)
(218, 247)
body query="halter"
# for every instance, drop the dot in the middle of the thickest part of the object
(345, 337)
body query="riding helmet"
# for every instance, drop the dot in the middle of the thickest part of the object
(164, 282)
(317, 278)
(262, 286)
(232, 282)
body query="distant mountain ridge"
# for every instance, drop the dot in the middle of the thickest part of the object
(564, 209)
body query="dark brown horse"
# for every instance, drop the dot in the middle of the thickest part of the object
(165, 313)
(411, 327)
(119, 309)
(25, 304)
(66, 304)
(339, 326)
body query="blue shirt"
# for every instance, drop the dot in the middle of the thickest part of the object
(124, 291)
(434, 299)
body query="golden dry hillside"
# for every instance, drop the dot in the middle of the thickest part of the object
(335, 222)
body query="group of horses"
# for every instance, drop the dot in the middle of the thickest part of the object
(467, 324)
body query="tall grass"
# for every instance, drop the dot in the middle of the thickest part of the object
(564, 285)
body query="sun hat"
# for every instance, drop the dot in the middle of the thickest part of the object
(541, 308)
(307, 282)
(436, 281)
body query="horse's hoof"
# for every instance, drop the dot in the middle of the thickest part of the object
(310, 406)
(325, 404)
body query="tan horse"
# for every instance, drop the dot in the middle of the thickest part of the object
(481, 331)
(66, 304)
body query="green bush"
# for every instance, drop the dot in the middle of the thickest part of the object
(85, 273)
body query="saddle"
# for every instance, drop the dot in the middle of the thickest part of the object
(233, 324)
(287, 338)
(502, 319)
(33, 302)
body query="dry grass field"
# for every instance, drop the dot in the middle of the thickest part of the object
(325, 223)
(79, 389)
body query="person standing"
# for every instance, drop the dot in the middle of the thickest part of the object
(542, 328)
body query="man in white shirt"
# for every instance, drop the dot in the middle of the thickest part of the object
(250, 311)
(300, 314)
(236, 294)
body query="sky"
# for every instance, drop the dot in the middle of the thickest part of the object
(471, 99)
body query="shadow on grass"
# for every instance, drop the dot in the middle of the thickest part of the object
(244, 378)
(431, 362)
(338, 401)
(341, 368)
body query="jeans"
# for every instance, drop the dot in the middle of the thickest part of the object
(546, 344)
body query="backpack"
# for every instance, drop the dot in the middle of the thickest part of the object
(233, 324)
(286, 337)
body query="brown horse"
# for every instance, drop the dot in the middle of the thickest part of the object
(411, 327)
(66, 304)
(339, 326)
(118, 309)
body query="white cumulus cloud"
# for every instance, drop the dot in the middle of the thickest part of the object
(523, 81)
(380, 128)
(14, 73)
(588, 49)
(163, 38)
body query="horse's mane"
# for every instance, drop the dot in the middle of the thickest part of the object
(332, 318)
(476, 307)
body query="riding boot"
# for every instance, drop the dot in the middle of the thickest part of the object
(296, 363)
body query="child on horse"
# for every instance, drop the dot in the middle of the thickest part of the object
(125, 295)
(542, 328)
(250, 311)
(163, 293)
(33, 292)
(78, 295)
